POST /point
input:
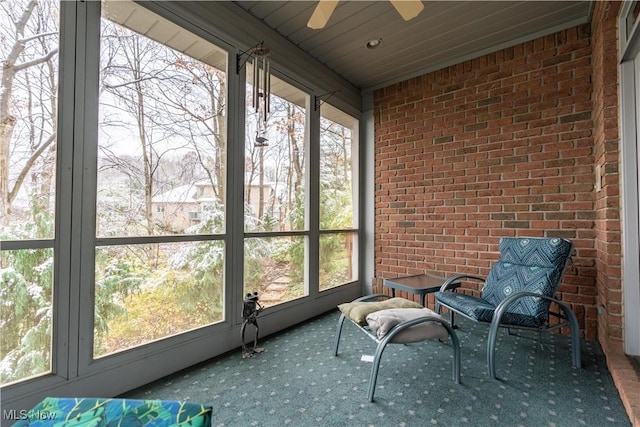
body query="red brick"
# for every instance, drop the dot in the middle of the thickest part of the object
(506, 145)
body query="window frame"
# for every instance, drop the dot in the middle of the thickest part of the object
(87, 363)
(61, 242)
(356, 196)
(308, 233)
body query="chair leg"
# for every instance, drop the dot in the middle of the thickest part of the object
(495, 323)
(375, 368)
(336, 342)
(452, 320)
(491, 349)
(575, 346)
(576, 354)
(455, 343)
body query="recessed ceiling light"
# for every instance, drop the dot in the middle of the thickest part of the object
(373, 43)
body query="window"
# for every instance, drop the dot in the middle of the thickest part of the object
(338, 197)
(631, 18)
(275, 190)
(121, 231)
(161, 167)
(29, 41)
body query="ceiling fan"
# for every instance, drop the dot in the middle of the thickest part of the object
(408, 9)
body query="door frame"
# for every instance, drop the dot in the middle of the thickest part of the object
(629, 38)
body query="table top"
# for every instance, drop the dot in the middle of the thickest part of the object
(418, 284)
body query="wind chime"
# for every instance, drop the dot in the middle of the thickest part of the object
(261, 81)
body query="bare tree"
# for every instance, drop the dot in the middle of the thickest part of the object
(28, 43)
(195, 106)
(128, 74)
(176, 106)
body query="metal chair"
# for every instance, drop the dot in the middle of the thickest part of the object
(397, 332)
(517, 293)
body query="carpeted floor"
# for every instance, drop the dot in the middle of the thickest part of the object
(298, 382)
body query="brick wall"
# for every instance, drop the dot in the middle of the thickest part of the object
(502, 145)
(606, 150)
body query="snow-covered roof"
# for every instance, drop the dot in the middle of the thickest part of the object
(183, 194)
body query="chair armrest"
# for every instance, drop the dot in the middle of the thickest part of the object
(502, 307)
(448, 284)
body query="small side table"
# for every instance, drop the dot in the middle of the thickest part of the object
(421, 284)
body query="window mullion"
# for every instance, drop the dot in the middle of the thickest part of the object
(64, 320)
(234, 259)
(313, 190)
(85, 145)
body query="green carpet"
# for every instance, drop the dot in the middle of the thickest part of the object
(297, 382)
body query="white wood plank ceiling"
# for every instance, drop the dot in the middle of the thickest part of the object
(445, 33)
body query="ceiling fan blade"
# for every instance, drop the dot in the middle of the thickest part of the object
(408, 9)
(321, 15)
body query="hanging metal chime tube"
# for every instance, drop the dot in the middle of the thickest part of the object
(267, 88)
(265, 71)
(255, 85)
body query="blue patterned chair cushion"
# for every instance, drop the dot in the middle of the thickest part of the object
(474, 307)
(55, 412)
(481, 311)
(525, 265)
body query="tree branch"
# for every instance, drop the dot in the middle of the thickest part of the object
(36, 61)
(37, 36)
(27, 167)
